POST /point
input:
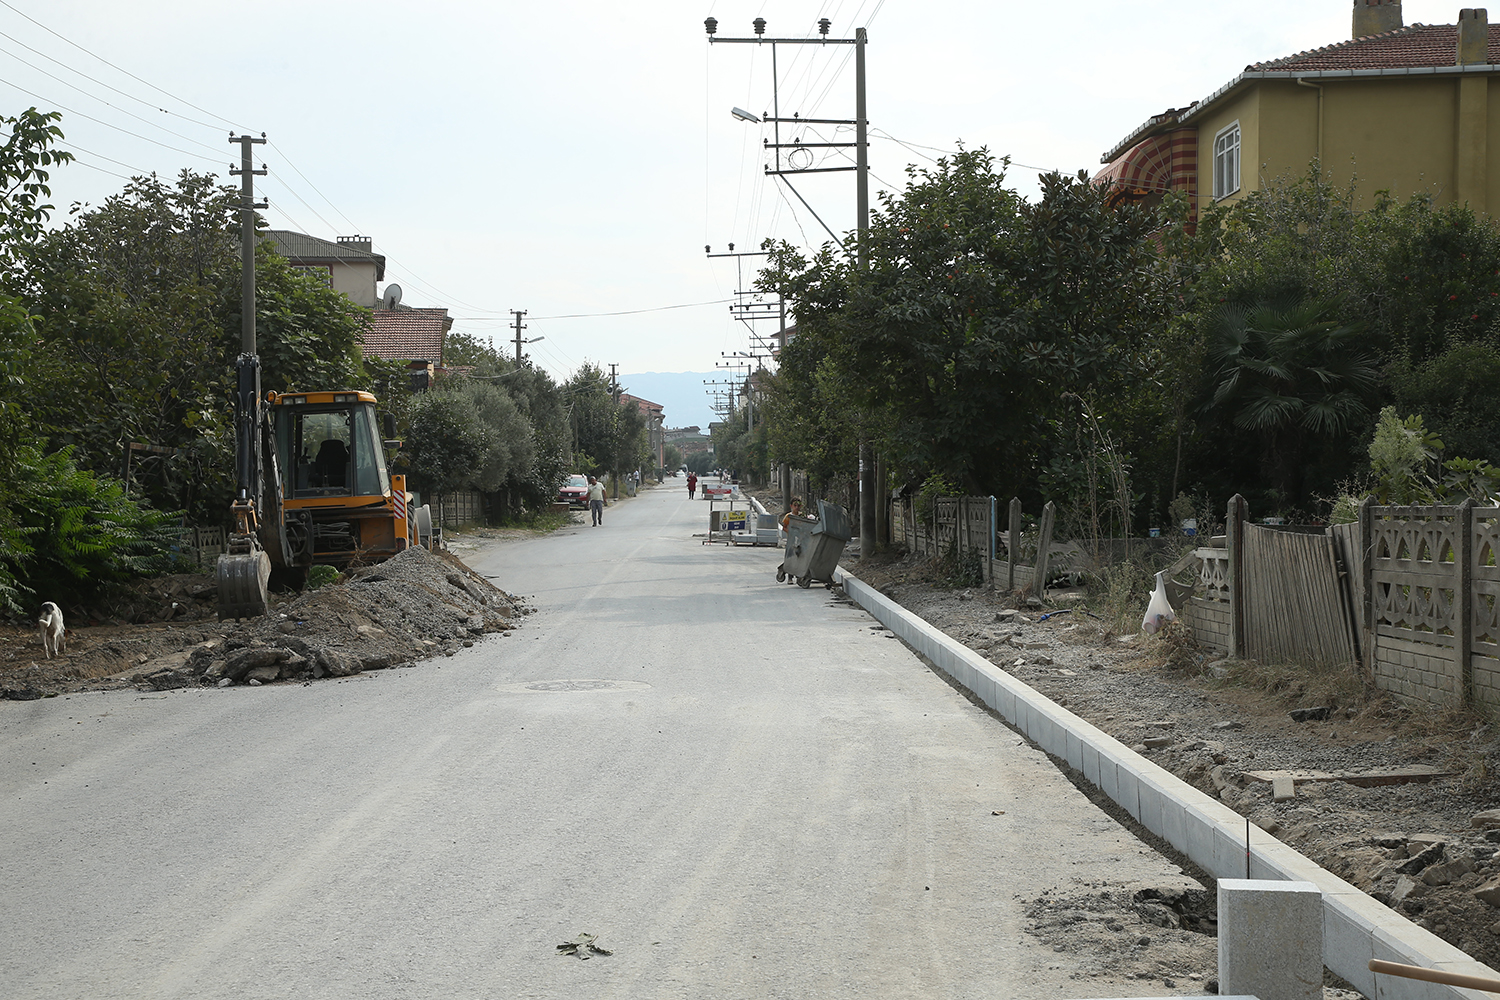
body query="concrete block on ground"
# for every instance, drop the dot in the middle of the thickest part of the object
(1151, 800)
(1230, 860)
(1074, 753)
(1170, 814)
(1271, 939)
(1090, 765)
(1129, 797)
(1005, 701)
(1051, 732)
(1396, 939)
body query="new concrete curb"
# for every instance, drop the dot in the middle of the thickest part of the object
(1356, 928)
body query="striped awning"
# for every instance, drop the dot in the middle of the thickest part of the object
(1142, 169)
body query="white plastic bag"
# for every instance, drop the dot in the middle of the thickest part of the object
(1159, 611)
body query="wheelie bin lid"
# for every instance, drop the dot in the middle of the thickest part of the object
(832, 521)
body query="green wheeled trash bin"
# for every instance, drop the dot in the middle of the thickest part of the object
(813, 546)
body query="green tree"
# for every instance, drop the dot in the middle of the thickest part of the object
(25, 161)
(137, 306)
(308, 335)
(951, 347)
(511, 450)
(463, 350)
(607, 437)
(447, 440)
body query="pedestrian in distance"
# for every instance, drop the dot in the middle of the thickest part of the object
(596, 500)
(692, 485)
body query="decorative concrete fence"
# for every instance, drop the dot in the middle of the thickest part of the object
(1412, 594)
(455, 510)
(1012, 558)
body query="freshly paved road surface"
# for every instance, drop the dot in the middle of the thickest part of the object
(741, 787)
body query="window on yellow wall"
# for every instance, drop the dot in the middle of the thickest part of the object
(1227, 161)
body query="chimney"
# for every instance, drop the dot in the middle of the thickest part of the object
(1371, 17)
(355, 242)
(1473, 36)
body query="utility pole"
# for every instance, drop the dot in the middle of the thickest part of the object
(247, 173)
(749, 390)
(871, 519)
(519, 326)
(614, 383)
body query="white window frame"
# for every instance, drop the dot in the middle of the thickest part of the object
(1227, 161)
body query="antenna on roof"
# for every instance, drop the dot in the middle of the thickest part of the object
(392, 296)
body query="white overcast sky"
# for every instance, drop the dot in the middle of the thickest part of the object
(575, 158)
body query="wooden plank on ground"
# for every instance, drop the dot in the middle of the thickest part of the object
(1364, 779)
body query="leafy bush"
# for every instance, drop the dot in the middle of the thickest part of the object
(65, 532)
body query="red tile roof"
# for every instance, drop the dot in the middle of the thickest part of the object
(644, 405)
(407, 334)
(1413, 45)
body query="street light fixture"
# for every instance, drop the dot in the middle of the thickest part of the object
(744, 115)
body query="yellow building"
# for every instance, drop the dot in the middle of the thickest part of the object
(1398, 108)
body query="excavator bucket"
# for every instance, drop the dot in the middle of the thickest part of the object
(243, 583)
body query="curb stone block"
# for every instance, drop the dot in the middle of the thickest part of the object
(1355, 927)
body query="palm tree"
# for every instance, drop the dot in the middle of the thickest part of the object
(1289, 370)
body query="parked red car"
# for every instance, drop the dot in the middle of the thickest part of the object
(575, 492)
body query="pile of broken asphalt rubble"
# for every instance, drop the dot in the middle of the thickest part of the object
(413, 606)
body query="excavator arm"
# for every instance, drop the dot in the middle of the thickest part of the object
(244, 570)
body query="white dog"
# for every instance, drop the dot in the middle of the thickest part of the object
(51, 626)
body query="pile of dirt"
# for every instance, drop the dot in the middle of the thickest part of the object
(1429, 849)
(416, 605)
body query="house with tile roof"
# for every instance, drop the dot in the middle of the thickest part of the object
(1398, 108)
(411, 335)
(348, 262)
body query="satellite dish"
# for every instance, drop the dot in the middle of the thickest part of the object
(391, 297)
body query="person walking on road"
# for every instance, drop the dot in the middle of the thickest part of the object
(692, 485)
(596, 500)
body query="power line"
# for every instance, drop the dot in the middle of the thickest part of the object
(622, 312)
(80, 48)
(106, 124)
(65, 83)
(101, 83)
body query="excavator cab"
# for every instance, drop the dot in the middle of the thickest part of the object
(329, 447)
(337, 495)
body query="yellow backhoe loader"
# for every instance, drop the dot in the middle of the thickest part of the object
(312, 489)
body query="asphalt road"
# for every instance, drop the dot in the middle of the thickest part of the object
(741, 787)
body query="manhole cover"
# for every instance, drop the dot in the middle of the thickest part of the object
(572, 686)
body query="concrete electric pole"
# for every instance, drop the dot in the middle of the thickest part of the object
(869, 484)
(519, 326)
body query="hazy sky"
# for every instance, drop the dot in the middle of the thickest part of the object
(575, 158)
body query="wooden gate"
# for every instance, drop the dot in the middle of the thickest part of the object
(1295, 610)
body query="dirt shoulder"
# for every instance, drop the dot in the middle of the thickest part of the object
(163, 632)
(1421, 847)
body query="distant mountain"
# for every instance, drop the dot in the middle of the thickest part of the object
(683, 396)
